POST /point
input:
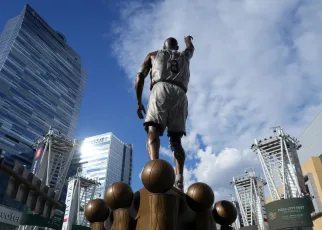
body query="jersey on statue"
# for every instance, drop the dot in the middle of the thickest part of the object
(168, 104)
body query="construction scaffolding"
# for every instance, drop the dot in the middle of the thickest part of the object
(250, 200)
(52, 159)
(236, 225)
(281, 166)
(80, 191)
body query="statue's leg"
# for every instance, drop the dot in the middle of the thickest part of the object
(179, 158)
(176, 129)
(153, 142)
(155, 123)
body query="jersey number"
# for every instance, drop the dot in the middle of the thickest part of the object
(174, 66)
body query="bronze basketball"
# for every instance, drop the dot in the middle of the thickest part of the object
(200, 197)
(96, 211)
(158, 176)
(224, 213)
(119, 195)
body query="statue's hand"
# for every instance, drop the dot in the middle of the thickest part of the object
(140, 110)
(188, 37)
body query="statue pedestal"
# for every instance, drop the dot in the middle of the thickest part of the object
(97, 226)
(121, 219)
(159, 206)
(163, 211)
(167, 211)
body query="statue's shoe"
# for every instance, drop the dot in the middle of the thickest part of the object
(179, 185)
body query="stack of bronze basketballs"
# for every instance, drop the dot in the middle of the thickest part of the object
(158, 179)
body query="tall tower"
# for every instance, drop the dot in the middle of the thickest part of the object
(281, 166)
(51, 163)
(250, 200)
(41, 85)
(81, 190)
(52, 160)
(107, 158)
(237, 224)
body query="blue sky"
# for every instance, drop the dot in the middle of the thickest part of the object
(257, 64)
(109, 104)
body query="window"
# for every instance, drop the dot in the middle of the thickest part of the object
(93, 170)
(311, 188)
(11, 138)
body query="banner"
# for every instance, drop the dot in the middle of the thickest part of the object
(289, 213)
(36, 162)
(69, 196)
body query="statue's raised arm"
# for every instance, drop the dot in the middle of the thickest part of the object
(189, 46)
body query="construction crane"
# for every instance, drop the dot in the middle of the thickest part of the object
(250, 200)
(281, 166)
(80, 191)
(52, 159)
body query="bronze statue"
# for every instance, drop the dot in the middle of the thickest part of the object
(168, 104)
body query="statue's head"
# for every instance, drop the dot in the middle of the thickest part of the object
(171, 44)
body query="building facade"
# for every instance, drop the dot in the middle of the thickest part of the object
(41, 86)
(106, 158)
(310, 139)
(312, 171)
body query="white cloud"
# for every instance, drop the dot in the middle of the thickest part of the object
(166, 152)
(219, 169)
(141, 173)
(188, 178)
(257, 64)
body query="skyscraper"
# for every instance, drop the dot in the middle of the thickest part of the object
(41, 85)
(107, 158)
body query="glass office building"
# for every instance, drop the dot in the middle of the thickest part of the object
(41, 85)
(107, 158)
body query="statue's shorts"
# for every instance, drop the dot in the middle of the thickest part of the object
(167, 108)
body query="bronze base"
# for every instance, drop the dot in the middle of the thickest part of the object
(97, 226)
(168, 211)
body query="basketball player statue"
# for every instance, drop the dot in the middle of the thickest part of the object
(168, 104)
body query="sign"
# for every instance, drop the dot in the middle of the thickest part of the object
(99, 140)
(31, 218)
(9, 216)
(252, 227)
(79, 227)
(289, 213)
(69, 196)
(36, 163)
